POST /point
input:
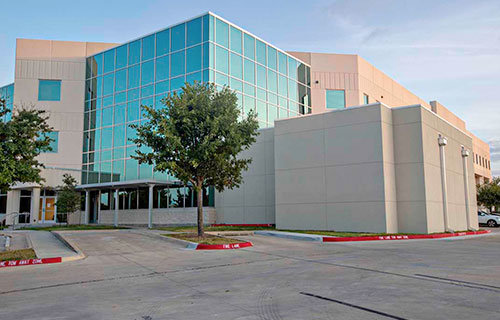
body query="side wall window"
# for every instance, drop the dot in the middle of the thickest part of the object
(335, 99)
(49, 90)
(54, 136)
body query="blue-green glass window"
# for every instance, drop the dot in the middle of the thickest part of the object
(107, 117)
(272, 98)
(131, 169)
(272, 81)
(54, 136)
(145, 171)
(133, 110)
(176, 83)
(148, 72)
(121, 80)
(97, 65)
(49, 90)
(191, 78)
(134, 52)
(98, 87)
(335, 99)
(206, 28)
(236, 66)
(282, 86)
(120, 114)
(221, 79)
(292, 68)
(105, 172)
(211, 29)
(236, 40)
(163, 42)
(109, 61)
(272, 113)
(118, 170)
(148, 47)
(108, 83)
(194, 32)
(118, 136)
(261, 76)
(248, 104)
(221, 59)
(133, 94)
(146, 102)
(147, 91)
(249, 46)
(293, 90)
(106, 155)
(207, 55)
(261, 110)
(260, 48)
(162, 66)
(178, 37)
(106, 141)
(366, 99)
(282, 62)
(121, 57)
(131, 135)
(161, 87)
(236, 85)
(193, 59)
(177, 64)
(249, 89)
(261, 94)
(249, 71)
(271, 57)
(120, 97)
(134, 76)
(119, 153)
(221, 33)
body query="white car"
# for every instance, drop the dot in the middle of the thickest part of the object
(488, 219)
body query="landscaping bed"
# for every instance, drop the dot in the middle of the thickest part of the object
(208, 239)
(74, 228)
(22, 254)
(193, 229)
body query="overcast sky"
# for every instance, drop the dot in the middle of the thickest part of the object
(441, 50)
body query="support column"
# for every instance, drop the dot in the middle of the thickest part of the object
(117, 202)
(465, 155)
(87, 207)
(150, 206)
(35, 204)
(442, 141)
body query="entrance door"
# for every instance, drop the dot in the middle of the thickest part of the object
(93, 209)
(47, 212)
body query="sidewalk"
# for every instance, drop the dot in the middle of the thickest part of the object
(46, 245)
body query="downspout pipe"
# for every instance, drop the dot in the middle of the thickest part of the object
(443, 141)
(465, 155)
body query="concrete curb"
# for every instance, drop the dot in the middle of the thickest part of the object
(70, 244)
(291, 235)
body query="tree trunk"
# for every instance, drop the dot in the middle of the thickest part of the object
(200, 210)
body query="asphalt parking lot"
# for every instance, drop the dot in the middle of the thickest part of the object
(128, 275)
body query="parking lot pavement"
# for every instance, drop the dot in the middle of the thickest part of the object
(128, 275)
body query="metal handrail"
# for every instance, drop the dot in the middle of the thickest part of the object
(15, 214)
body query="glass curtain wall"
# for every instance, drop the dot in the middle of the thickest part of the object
(7, 94)
(143, 71)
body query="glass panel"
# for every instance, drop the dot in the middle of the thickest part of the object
(147, 91)
(261, 110)
(249, 46)
(131, 169)
(193, 59)
(236, 40)
(221, 79)
(176, 83)
(49, 90)
(177, 64)
(131, 135)
(249, 71)
(108, 84)
(191, 78)
(148, 47)
(194, 32)
(121, 80)
(118, 168)
(147, 73)
(162, 42)
(261, 76)
(121, 57)
(335, 99)
(249, 89)
(271, 57)
(207, 55)
(283, 86)
(236, 66)
(105, 172)
(248, 104)
(145, 171)
(272, 81)
(133, 76)
(236, 85)
(133, 94)
(120, 114)
(292, 68)
(178, 37)
(221, 33)
(282, 62)
(134, 52)
(221, 56)
(119, 136)
(97, 65)
(161, 87)
(162, 67)
(272, 114)
(133, 110)
(107, 139)
(260, 48)
(109, 61)
(293, 90)
(107, 117)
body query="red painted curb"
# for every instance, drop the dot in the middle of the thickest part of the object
(404, 237)
(27, 262)
(223, 246)
(241, 225)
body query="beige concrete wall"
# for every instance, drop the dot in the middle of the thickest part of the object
(56, 60)
(171, 216)
(254, 201)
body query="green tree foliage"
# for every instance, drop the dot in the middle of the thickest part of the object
(22, 139)
(488, 194)
(197, 138)
(68, 199)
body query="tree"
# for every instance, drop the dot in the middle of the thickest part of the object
(197, 138)
(488, 194)
(68, 199)
(23, 138)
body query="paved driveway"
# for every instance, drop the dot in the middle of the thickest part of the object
(132, 276)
